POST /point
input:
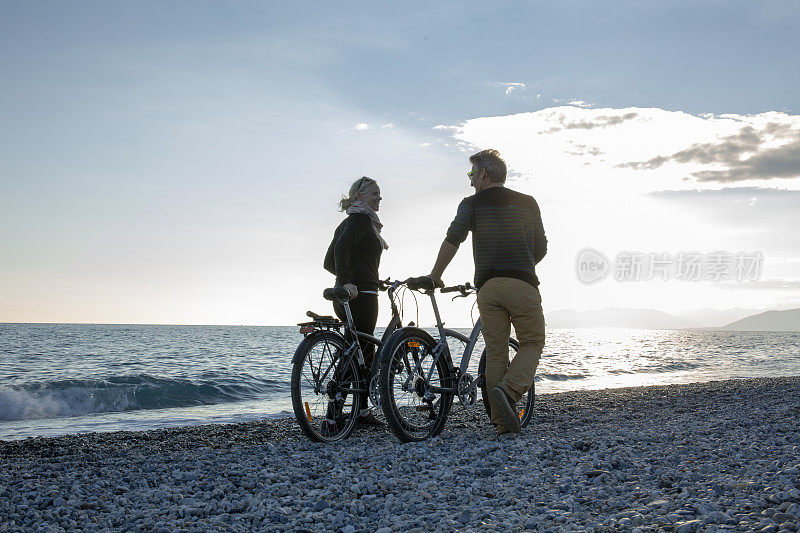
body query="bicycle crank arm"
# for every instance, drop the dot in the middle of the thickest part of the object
(440, 390)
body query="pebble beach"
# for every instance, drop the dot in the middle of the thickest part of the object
(717, 456)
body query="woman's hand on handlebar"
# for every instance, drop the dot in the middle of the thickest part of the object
(388, 283)
(352, 289)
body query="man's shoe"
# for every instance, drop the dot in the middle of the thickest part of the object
(369, 421)
(509, 421)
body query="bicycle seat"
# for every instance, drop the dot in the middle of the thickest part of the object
(320, 318)
(423, 283)
(336, 293)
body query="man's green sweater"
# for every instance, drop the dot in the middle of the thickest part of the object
(507, 234)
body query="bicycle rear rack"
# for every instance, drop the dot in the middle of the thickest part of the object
(320, 322)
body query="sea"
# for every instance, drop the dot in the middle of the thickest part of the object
(58, 379)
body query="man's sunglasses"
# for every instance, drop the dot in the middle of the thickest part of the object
(472, 174)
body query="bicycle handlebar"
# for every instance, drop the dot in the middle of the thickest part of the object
(388, 283)
(463, 289)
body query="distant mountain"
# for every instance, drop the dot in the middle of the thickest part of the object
(617, 318)
(788, 320)
(717, 318)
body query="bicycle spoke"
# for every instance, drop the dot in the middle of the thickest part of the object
(417, 412)
(314, 375)
(323, 409)
(328, 370)
(325, 350)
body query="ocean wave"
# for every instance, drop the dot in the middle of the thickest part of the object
(657, 368)
(559, 377)
(74, 397)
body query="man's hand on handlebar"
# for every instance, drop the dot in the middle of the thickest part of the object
(437, 281)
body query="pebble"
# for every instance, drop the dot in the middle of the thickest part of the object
(706, 456)
(321, 505)
(688, 527)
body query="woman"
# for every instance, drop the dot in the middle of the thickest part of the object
(354, 256)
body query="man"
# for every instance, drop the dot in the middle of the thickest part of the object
(507, 242)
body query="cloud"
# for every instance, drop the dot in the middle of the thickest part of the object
(771, 223)
(583, 149)
(745, 207)
(790, 196)
(579, 151)
(511, 87)
(573, 161)
(361, 126)
(749, 154)
(579, 103)
(602, 121)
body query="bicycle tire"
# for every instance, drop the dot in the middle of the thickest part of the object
(406, 421)
(524, 406)
(304, 396)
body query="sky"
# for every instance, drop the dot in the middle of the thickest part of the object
(180, 162)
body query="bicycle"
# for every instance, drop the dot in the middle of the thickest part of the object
(328, 368)
(418, 380)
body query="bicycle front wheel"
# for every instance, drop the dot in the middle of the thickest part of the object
(525, 404)
(323, 381)
(412, 380)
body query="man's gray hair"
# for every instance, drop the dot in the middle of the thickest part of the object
(492, 162)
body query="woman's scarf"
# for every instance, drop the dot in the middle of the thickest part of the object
(362, 207)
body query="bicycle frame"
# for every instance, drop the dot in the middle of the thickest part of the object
(443, 347)
(412, 365)
(470, 345)
(351, 336)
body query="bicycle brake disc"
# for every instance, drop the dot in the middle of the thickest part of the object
(467, 390)
(375, 392)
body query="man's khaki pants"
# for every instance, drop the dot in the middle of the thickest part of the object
(502, 302)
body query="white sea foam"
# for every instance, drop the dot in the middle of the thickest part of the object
(21, 404)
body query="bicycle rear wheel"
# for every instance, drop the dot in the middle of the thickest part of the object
(322, 381)
(410, 385)
(525, 404)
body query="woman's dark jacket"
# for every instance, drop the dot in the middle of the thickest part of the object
(355, 253)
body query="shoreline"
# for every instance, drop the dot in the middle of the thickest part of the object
(716, 455)
(241, 412)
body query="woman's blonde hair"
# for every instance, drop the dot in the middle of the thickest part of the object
(358, 186)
